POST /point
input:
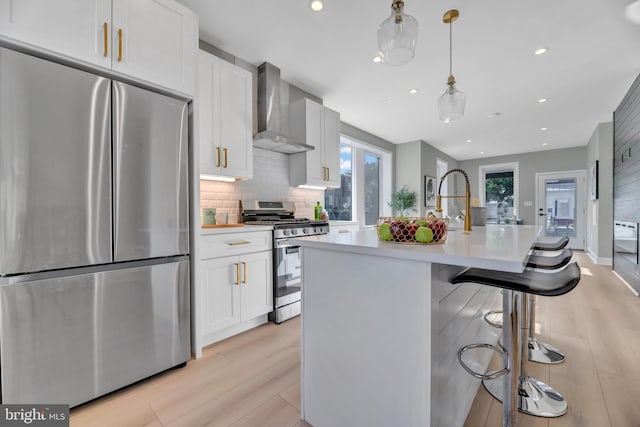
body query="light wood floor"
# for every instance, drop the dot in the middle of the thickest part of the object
(253, 379)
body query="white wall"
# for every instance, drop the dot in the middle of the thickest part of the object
(600, 211)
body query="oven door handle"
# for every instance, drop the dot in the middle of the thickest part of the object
(284, 243)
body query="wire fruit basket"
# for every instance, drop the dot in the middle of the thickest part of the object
(422, 231)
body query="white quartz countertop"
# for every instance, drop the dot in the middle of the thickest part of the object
(493, 247)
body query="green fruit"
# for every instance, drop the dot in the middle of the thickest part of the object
(421, 223)
(424, 235)
(385, 232)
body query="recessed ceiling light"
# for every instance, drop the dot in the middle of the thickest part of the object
(316, 5)
(385, 101)
(543, 129)
(468, 140)
(544, 143)
(482, 152)
(541, 100)
(377, 59)
(540, 51)
(446, 121)
(413, 91)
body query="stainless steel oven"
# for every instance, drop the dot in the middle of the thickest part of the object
(287, 265)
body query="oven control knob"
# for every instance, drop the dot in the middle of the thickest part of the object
(294, 231)
(285, 232)
(305, 230)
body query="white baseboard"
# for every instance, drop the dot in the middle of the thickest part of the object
(605, 261)
(626, 284)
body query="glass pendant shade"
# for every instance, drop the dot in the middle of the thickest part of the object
(451, 104)
(397, 37)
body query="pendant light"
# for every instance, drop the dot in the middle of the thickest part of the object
(397, 36)
(452, 102)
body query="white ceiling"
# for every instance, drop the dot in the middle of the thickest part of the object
(593, 59)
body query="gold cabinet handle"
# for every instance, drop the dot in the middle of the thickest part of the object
(225, 157)
(119, 44)
(328, 173)
(218, 151)
(105, 30)
(244, 268)
(237, 281)
(239, 242)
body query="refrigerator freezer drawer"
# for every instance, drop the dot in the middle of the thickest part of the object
(72, 339)
(150, 174)
(55, 166)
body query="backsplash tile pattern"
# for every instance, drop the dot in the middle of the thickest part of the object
(270, 182)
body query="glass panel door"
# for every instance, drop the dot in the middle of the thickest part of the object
(561, 206)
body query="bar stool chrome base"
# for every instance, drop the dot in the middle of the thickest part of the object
(534, 397)
(544, 353)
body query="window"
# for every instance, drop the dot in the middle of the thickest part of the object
(365, 182)
(499, 191)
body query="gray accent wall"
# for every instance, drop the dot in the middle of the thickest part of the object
(529, 164)
(600, 211)
(626, 175)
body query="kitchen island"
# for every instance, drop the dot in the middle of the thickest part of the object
(381, 325)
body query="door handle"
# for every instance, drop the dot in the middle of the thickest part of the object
(218, 162)
(244, 268)
(105, 30)
(119, 44)
(237, 281)
(542, 214)
(225, 157)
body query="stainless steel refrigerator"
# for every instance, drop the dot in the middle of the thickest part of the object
(94, 232)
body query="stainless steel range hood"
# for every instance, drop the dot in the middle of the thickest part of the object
(271, 114)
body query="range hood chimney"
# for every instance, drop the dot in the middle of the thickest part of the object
(271, 133)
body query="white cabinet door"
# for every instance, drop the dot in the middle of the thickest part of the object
(209, 113)
(226, 118)
(221, 294)
(68, 27)
(257, 289)
(236, 121)
(318, 126)
(314, 129)
(155, 40)
(331, 145)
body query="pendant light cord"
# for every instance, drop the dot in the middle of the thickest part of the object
(450, 50)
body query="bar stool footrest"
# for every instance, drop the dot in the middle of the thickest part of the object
(491, 318)
(488, 376)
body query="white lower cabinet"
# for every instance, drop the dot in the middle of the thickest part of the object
(237, 291)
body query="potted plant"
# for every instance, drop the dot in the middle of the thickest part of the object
(403, 200)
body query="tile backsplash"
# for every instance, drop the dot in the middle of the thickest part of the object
(270, 182)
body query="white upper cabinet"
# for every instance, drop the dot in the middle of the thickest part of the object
(226, 118)
(155, 40)
(318, 126)
(69, 27)
(151, 40)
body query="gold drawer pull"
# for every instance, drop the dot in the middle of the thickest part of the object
(105, 30)
(237, 282)
(240, 242)
(119, 44)
(244, 278)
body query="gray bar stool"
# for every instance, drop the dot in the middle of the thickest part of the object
(539, 351)
(519, 391)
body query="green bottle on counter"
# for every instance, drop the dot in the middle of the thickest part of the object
(317, 212)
